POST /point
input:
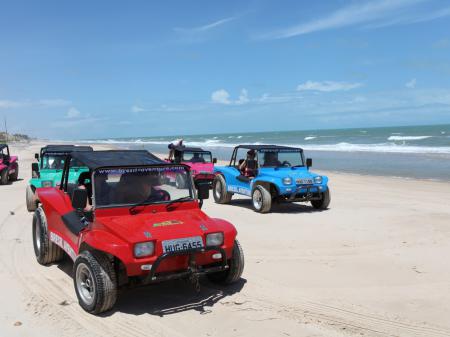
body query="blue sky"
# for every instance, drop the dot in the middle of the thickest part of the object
(85, 69)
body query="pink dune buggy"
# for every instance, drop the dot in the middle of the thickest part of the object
(200, 162)
(9, 165)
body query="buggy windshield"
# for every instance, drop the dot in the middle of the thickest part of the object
(280, 157)
(129, 186)
(197, 157)
(56, 161)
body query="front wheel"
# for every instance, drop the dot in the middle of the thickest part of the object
(324, 202)
(235, 267)
(261, 199)
(95, 282)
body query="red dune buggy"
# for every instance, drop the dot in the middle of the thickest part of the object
(124, 223)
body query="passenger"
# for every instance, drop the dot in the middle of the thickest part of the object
(102, 189)
(249, 166)
(271, 159)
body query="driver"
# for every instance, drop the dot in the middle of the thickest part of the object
(140, 188)
(271, 159)
(197, 159)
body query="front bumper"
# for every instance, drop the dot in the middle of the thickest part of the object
(303, 193)
(193, 268)
(204, 178)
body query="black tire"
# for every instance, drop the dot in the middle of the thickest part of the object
(100, 294)
(261, 199)
(236, 267)
(46, 251)
(180, 181)
(15, 175)
(31, 202)
(219, 188)
(4, 177)
(324, 202)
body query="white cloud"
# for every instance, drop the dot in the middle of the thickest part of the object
(379, 13)
(411, 84)
(221, 96)
(44, 103)
(243, 97)
(205, 27)
(73, 113)
(327, 86)
(136, 109)
(7, 104)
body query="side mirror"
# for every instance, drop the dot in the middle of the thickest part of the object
(35, 170)
(214, 160)
(36, 156)
(79, 198)
(308, 162)
(203, 191)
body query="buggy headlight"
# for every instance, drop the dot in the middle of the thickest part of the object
(214, 239)
(144, 249)
(287, 180)
(47, 183)
(318, 180)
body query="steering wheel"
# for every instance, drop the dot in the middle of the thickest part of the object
(160, 195)
(286, 163)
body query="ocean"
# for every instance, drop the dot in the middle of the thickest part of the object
(403, 151)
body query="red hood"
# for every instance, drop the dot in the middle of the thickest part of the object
(163, 225)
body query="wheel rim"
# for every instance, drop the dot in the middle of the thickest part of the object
(85, 284)
(37, 236)
(218, 190)
(257, 199)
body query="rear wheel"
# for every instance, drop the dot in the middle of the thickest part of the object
(261, 199)
(236, 267)
(220, 193)
(46, 251)
(30, 198)
(95, 282)
(15, 175)
(324, 202)
(4, 177)
(180, 181)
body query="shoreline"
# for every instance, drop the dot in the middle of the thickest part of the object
(322, 168)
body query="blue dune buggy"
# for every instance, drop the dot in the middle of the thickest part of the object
(268, 174)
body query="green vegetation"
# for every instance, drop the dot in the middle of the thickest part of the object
(17, 137)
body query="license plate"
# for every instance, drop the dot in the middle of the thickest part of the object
(178, 245)
(304, 181)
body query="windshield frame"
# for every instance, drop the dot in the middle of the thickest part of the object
(192, 191)
(290, 150)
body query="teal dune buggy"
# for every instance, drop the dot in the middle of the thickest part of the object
(47, 171)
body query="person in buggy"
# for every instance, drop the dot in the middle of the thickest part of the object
(249, 166)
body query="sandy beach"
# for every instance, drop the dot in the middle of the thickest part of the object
(375, 264)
